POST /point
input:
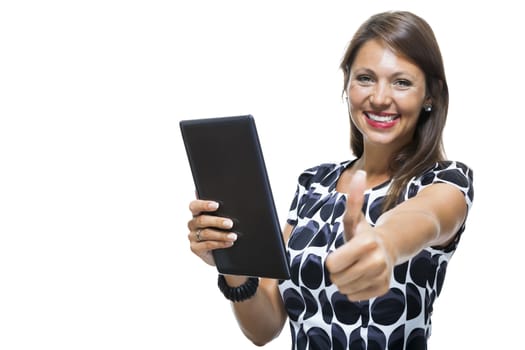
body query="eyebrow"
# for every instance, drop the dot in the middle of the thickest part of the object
(372, 72)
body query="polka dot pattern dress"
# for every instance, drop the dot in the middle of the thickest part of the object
(322, 318)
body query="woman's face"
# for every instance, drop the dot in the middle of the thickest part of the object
(386, 93)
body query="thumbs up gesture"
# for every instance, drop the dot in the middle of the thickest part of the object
(354, 204)
(362, 267)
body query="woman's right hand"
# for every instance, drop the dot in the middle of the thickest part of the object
(207, 231)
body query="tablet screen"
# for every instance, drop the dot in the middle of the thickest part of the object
(227, 165)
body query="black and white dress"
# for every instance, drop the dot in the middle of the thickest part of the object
(322, 318)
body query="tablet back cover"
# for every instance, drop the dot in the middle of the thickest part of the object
(227, 165)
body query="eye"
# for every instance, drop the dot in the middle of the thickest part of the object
(364, 79)
(403, 83)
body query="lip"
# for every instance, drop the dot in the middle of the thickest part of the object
(382, 124)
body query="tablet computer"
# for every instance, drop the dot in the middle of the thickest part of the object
(228, 167)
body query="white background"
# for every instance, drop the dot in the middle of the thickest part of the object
(94, 181)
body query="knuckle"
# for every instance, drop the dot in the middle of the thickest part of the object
(384, 289)
(386, 279)
(371, 243)
(329, 265)
(198, 221)
(380, 263)
(193, 207)
(383, 285)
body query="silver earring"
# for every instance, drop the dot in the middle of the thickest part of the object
(427, 108)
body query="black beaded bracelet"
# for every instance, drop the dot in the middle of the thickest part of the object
(240, 293)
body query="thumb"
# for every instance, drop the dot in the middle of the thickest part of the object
(354, 203)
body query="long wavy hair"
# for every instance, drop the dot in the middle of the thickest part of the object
(412, 37)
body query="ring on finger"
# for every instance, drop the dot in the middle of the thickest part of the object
(198, 235)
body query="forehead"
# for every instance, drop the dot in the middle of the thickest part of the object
(377, 56)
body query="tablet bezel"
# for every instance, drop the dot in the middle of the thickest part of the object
(227, 165)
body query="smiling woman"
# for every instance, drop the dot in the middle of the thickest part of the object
(94, 192)
(386, 94)
(390, 68)
(369, 238)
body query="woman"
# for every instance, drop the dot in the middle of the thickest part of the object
(370, 238)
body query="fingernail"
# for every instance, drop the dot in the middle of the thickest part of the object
(227, 223)
(213, 205)
(232, 236)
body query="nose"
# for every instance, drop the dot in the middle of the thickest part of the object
(381, 95)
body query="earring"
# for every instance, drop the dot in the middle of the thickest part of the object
(427, 108)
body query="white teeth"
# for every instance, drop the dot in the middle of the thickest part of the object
(382, 119)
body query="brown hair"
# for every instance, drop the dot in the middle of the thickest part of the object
(412, 37)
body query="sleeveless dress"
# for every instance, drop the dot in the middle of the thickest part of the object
(322, 318)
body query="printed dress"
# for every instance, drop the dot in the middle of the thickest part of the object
(322, 318)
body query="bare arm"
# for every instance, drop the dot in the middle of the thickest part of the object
(362, 267)
(261, 317)
(432, 218)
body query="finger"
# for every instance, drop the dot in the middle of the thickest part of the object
(356, 279)
(346, 258)
(364, 263)
(198, 237)
(210, 235)
(354, 203)
(204, 249)
(202, 221)
(199, 206)
(367, 293)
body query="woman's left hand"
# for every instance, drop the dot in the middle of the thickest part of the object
(362, 267)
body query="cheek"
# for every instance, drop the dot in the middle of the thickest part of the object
(354, 113)
(409, 104)
(356, 94)
(356, 104)
(413, 109)
(353, 109)
(356, 101)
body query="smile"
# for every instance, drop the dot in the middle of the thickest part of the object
(382, 118)
(382, 121)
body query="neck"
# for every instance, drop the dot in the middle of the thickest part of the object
(374, 163)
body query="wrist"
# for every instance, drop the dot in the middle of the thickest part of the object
(239, 293)
(389, 247)
(234, 281)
